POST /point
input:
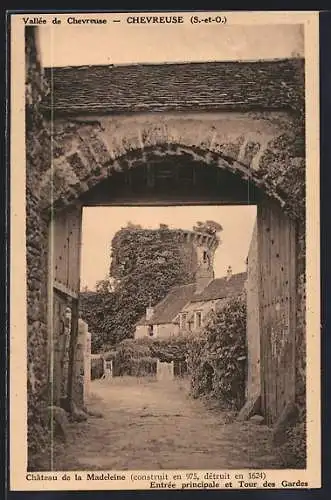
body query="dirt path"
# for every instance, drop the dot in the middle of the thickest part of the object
(155, 425)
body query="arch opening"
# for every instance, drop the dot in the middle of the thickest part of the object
(160, 174)
(173, 181)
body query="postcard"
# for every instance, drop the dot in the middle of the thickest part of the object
(165, 307)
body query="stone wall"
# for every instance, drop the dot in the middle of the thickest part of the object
(38, 149)
(164, 370)
(89, 149)
(80, 364)
(166, 330)
(301, 332)
(87, 366)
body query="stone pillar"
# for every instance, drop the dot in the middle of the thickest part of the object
(108, 370)
(165, 371)
(87, 365)
(79, 364)
(65, 352)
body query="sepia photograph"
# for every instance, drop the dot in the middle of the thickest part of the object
(166, 214)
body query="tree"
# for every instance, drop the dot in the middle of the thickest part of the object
(94, 309)
(104, 286)
(145, 264)
(209, 226)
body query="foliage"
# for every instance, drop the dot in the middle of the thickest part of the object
(210, 227)
(282, 168)
(217, 358)
(140, 355)
(145, 265)
(294, 451)
(143, 367)
(172, 349)
(148, 252)
(95, 308)
(128, 356)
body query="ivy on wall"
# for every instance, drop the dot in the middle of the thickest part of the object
(217, 357)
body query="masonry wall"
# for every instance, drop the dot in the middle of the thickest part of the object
(301, 332)
(80, 364)
(87, 367)
(166, 330)
(37, 162)
(141, 331)
(205, 308)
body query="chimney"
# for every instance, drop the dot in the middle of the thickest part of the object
(149, 310)
(149, 313)
(229, 273)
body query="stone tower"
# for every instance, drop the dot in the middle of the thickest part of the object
(200, 248)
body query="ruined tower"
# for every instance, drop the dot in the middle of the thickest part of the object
(200, 248)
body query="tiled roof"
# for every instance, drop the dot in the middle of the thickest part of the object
(221, 288)
(166, 310)
(178, 86)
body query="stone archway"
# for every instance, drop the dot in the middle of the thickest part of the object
(253, 147)
(81, 177)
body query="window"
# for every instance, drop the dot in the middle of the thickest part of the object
(183, 318)
(198, 319)
(150, 330)
(206, 258)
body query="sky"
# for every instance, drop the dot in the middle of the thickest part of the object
(68, 45)
(101, 223)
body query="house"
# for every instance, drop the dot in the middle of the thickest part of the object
(189, 307)
(159, 321)
(196, 313)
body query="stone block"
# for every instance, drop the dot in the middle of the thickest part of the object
(287, 419)
(56, 418)
(77, 415)
(94, 413)
(257, 419)
(250, 408)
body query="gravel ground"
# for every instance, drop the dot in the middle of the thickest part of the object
(150, 425)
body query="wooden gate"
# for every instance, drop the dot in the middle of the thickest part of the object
(277, 309)
(253, 373)
(65, 248)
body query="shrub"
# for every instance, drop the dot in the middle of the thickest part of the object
(142, 367)
(135, 356)
(217, 358)
(294, 451)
